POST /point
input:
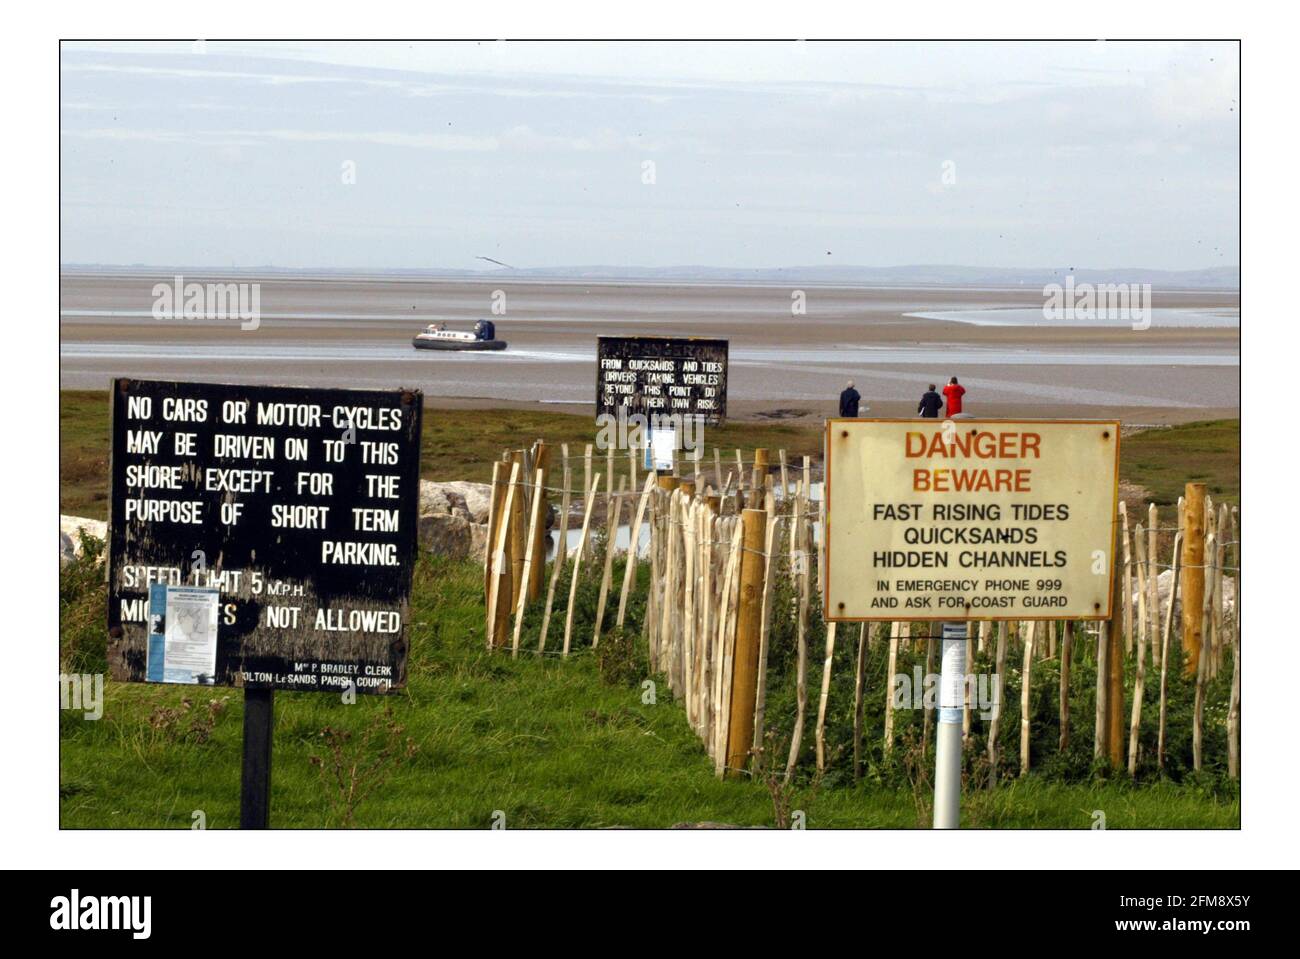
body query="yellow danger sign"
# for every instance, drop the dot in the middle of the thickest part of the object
(969, 519)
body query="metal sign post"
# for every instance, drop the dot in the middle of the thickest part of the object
(947, 744)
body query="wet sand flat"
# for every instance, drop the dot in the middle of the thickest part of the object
(355, 331)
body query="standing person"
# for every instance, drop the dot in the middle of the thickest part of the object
(930, 403)
(849, 400)
(954, 393)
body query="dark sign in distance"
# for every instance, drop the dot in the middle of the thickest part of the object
(662, 375)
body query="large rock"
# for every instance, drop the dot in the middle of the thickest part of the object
(70, 528)
(470, 500)
(446, 534)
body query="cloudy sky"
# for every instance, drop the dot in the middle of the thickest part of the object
(380, 155)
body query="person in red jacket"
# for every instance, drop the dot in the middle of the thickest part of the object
(953, 393)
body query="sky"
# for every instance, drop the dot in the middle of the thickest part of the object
(430, 155)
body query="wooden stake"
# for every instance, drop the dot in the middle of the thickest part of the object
(1234, 697)
(528, 563)
(1067, 651)
(577, 560)
(1153, 584)
(801, 573)
(561, 552)
(1168, 632)
(859, 702)
(612, 517)
(537, 532)
(634, 543)
(499, 597)
(765, 630)
(518, 527)
(1126, 597)
(1026, 687)
(891, 669)
(995, 724)
(1115, 680)
(1203, 666)
(1139, 687)
(1193, 574)
(825, 696)
(749, 625)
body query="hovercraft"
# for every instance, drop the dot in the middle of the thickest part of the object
(434, 337)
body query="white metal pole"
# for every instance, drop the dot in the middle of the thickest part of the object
(947, 744)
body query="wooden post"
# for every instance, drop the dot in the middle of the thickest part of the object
(1026, 688)
(537, 532)
(995, 724)
(726, 658)
(765, 630)
(518, 528)
(749, 624)
(1153, 584)
(577, 560)
(1203, 666)
(1193, 574)
(799, 569)
(634, 543)
(1126, 595)
(1139, 687)
(825, 696)
(785, 476)
(494, 517)
(528, 564)
(561, 552)
(859, 702)
(613, 514)
(1067, 650)
(1115, 678)
(499, 596)
(1234, 697)
(1164, 642)
(933, 632)
(889, 687)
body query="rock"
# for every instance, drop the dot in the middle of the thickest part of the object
(70, 528)
(472, 501)
(478, 535)
(475, 498)
(1165, 581)
(446, 534)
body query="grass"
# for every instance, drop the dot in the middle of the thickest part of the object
(534, 742)
(1164, 460)
(1161, 460)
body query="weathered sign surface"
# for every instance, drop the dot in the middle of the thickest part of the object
(298, 505)
(662, 374)
(969, 519)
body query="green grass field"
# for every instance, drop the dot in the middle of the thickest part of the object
(543, 742)
(551, 743)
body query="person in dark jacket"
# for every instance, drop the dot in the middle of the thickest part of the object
(930, 404)
(849, 400)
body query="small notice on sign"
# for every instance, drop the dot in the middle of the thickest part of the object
(969, 519)
(182, 634)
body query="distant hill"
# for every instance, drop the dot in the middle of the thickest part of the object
(1211, 278)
